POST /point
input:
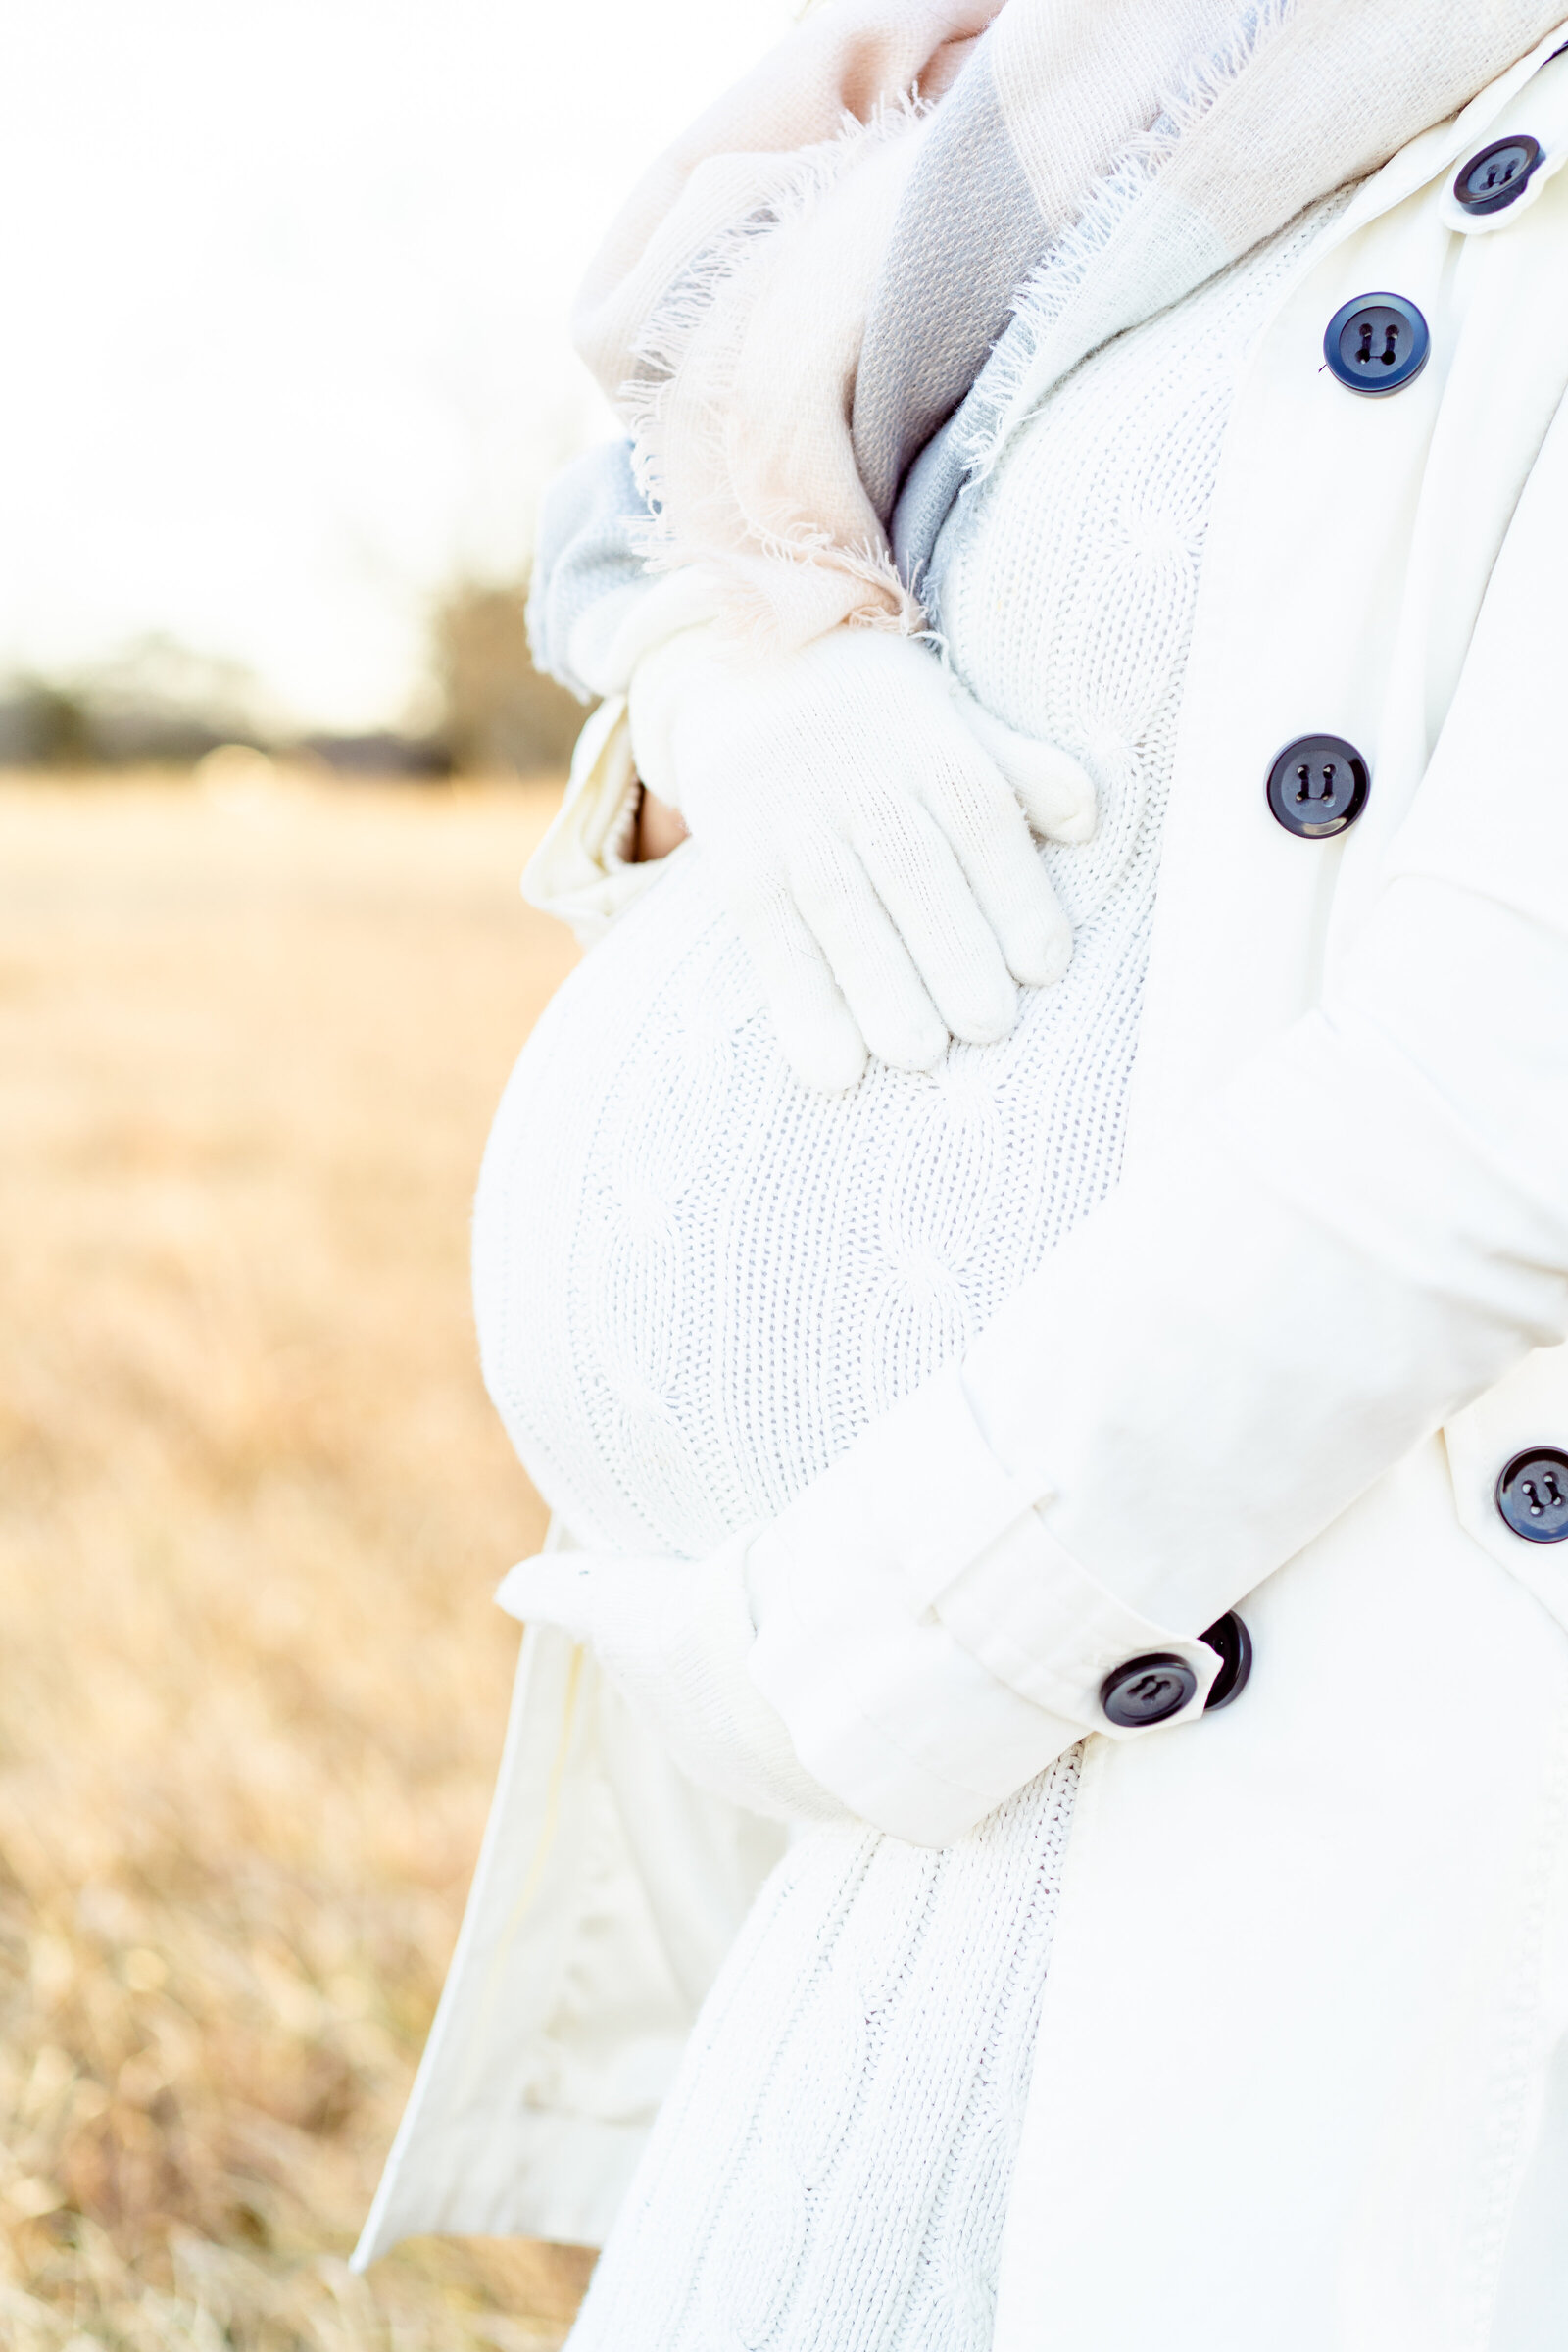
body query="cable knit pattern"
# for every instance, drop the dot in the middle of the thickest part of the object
(697, 1282)
(824, 2062)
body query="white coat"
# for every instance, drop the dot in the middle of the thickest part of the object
(1302, 2072)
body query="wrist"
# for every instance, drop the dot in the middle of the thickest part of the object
(656, 828)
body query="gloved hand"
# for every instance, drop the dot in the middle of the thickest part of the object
(869, 828)
(674, 1637)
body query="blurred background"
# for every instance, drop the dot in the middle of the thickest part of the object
(286, 288)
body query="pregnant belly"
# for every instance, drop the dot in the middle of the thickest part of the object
(696, 1280)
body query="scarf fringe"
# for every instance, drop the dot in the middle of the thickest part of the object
(663, 346)
(1025, 363)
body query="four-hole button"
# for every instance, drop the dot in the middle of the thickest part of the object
(1379, 343)
(1318, 786)
(1147, 1690)
(1498, 175)
(1151, 1689)
(1533, 1494)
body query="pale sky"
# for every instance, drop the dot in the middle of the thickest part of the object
(285, 285)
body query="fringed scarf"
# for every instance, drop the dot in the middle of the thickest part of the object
(805, 289)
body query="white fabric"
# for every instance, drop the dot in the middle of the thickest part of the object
(1315, 1946)
(583, 873)
(674, 1637)
(1371, 1213)
(832, 2167)
(1089, 541)
(803, 284)
(866, 828)
(695, 1282)
(608, 1891)
(611, 636)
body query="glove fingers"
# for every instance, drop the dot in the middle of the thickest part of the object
(990, 841)
(952, 946)
(1056, 794)
(817, 1032)
(870, 962)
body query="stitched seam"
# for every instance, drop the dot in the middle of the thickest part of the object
(1519, 2071)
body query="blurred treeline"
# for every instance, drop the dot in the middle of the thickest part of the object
(484, 708)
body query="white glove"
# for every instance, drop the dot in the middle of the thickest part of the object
(674, 1637)
(869, 828)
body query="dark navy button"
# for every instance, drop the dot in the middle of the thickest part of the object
(1378, 343)
(1318, 786)
(1498, 175)
(1533, 1496)
(1230, 1636)
(1147, 1690)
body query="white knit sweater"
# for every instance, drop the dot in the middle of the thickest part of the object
(697, 1282)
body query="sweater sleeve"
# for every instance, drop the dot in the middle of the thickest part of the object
(1362, 1232)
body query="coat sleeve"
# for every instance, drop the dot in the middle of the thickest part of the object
(1361, 1233)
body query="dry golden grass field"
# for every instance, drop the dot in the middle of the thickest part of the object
(253, 1503)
